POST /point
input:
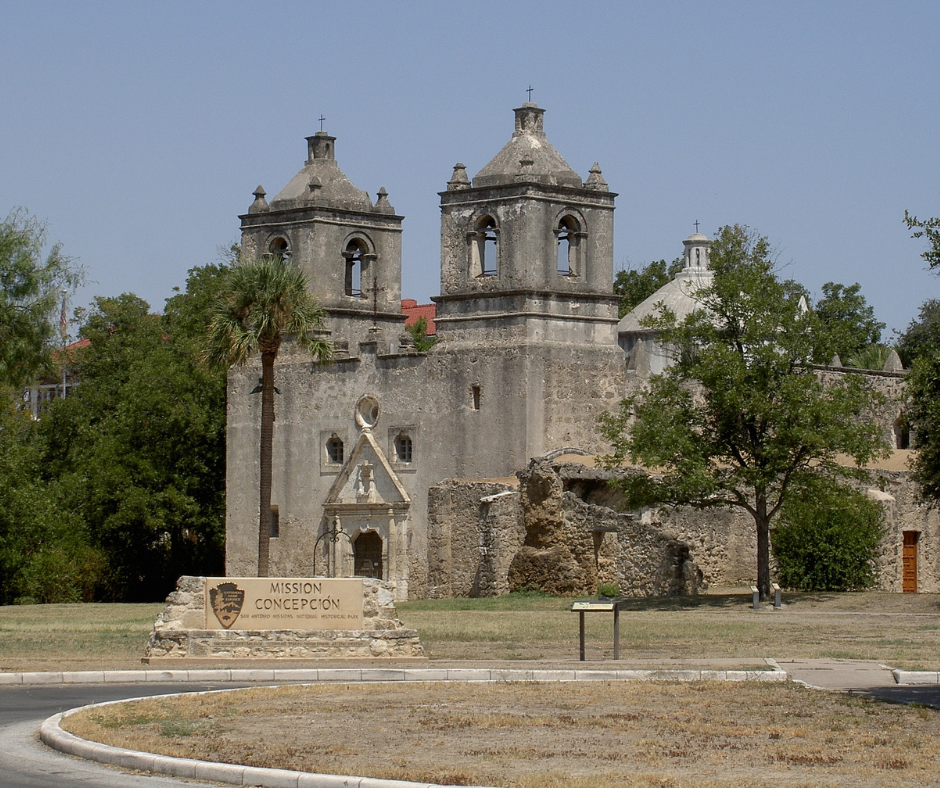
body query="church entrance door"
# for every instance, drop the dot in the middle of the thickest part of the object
(367, 555)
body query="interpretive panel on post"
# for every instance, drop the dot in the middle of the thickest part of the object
(259, 603)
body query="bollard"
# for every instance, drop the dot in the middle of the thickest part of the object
(777, 603)
(755, 592)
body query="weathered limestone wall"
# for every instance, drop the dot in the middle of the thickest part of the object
(573, 545)
(179, 632)
(890, 385)
(904, 511)
(474, 530)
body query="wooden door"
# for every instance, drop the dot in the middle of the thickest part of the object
(909, 563)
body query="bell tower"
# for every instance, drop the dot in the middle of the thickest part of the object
(527, 246)
(349, 247)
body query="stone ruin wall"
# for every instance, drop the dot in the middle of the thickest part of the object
(561, 532)
(474, 530)
(488, 538)
(904, 511)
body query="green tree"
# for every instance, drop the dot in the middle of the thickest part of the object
(261, 303)
(827, 538)
(635, 286)
(740, 418)
(45, 548)
(929, 229)
(138, 452)
(922, 335)
(923, 415)
(869, 357)
(419, 330)
(849, 321)
(31, 291)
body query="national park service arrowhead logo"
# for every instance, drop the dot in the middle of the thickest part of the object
(226, 600)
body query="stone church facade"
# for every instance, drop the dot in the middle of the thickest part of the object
(401, 465)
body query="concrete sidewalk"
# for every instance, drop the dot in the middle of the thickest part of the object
(865, 678)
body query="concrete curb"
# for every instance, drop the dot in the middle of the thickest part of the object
(243, 675)
(916, 677)
(52, 734)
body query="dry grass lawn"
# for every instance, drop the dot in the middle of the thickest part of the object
(902, 630)
(527, 735)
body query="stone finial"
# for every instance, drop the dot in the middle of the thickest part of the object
(595, 180)
(382, 204)
(406, 340)
(893, 362)
(260, 205)
(835, 361)
(459, 179)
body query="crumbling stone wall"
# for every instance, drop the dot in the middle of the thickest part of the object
(572, 545)
(474, 530)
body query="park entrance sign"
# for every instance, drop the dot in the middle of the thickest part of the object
(299, 618)
(265, 603)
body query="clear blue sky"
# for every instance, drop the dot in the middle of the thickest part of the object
(138, 131)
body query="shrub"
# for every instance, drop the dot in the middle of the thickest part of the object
(827, 539)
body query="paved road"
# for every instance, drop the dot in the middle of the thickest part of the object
(26, 763)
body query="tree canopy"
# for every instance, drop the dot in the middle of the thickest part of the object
(929, 229)
(740, 418)
(120, 488)
(32, 288)
(849, 320)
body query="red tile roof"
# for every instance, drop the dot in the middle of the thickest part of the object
(67, 353)
(413, 310)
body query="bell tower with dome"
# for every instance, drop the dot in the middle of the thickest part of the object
(527, 246)
(349, 247)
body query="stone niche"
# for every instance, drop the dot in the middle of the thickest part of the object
(189, 628)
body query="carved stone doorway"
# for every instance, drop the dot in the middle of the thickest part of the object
(367, 555)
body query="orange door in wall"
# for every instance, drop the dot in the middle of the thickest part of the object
(909, 563)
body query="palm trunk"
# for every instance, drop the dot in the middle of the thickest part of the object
(267, 442)
(763, 548)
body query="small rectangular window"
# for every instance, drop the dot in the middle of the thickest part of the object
(275, 522)
(475, 397)
(403, 448)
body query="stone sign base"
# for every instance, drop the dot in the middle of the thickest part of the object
(180, 631)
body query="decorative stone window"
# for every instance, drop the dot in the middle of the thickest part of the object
(367, 412)
(568, 235)
(280, 248)
(484, 247)
(334, 449)
(403, 447)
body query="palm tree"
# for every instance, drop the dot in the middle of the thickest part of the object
(261, 303)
